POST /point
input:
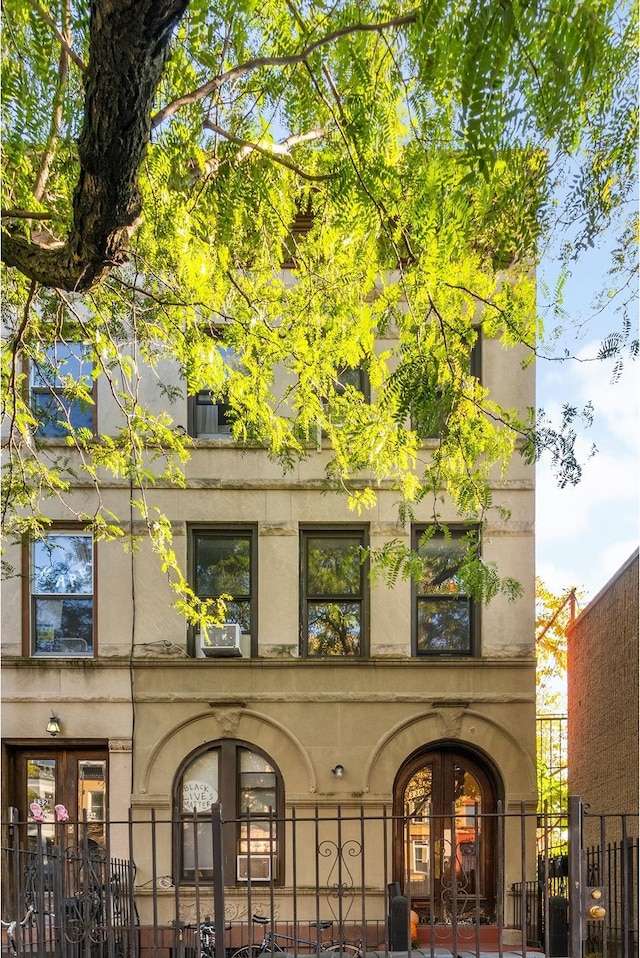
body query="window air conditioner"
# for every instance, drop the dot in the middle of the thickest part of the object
(223, 640)
(259, 866)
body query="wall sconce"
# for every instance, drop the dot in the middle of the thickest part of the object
(338, 771)
(53, 726)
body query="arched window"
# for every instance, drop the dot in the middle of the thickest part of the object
(445, 803)
(248, 786)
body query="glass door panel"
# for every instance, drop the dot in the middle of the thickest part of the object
(444, 856)
(41, 801)
(91, 777)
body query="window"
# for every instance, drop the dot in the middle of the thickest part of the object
(356, 378)
(434, 403)
(242, 778)
(62, 606)
(347, 378)
(209, 413)
(443, 613)
(55, 402)
(224, 561)
(333, 578)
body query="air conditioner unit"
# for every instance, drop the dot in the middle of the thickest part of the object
(259, 866)
(222, 640)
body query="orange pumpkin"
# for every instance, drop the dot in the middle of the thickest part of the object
(414, 928)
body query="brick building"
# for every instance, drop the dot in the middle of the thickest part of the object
(603, 667)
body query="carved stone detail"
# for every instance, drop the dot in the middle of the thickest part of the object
(450, 721)
(228, 719)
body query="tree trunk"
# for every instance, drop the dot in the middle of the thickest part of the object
(128, 46)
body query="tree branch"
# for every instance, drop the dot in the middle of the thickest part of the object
(128, 45)
(290, 60)
(278, 152)
(58, 101)
(63, 39)
(18, 214)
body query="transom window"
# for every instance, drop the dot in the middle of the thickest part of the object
(333, 581)
(443, 612)
(62, 605)
(61, 388)
(223, 564)
(249, 788)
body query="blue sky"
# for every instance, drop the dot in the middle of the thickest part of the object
(585, 533)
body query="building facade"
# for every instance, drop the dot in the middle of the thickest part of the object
(328, 688)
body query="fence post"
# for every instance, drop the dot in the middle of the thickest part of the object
(576, 876)
(218, 880)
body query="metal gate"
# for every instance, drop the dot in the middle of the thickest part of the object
(577, 900)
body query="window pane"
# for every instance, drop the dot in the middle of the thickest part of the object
(443, 560)
(200, 787)
(252, 762)
(212, 417)
(197, 839)
(444, 625)
(53, 411)
(41, 791)
(223, 565)
(258, 837)
(92, 797)
(63, 626)
(418, 792)
(257, 786)
(333, 565)
(239, 612)
(417, 798)
(62, 359)
(63, 564)
(350, 377)
(334, 628)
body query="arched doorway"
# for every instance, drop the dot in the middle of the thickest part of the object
(445, 849)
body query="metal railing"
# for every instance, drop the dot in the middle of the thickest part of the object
(355, 870)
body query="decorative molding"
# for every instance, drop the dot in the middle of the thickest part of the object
(450, 720)
(228, 719)
(120, 745)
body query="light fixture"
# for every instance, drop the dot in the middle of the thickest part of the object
(338, 771)
(53, 726)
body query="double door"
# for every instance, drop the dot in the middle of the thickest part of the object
(445, 836)
(55, 788)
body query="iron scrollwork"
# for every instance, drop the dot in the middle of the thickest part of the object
(340, 882)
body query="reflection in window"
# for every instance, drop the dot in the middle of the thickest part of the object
(41, 791)
(222, 563)
(54, 383)
(62, 594)
(447, 844)
(443, 609)
(92, 798)
(333, 596)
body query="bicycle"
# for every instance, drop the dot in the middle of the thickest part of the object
(12, 925)
(273, 942)
(205, 935)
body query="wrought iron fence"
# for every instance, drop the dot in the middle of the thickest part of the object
(343, 879)
(552, 757)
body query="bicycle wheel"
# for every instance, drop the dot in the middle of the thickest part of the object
(247, 951)
(352, 951)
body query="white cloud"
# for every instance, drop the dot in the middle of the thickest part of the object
(584, 533)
